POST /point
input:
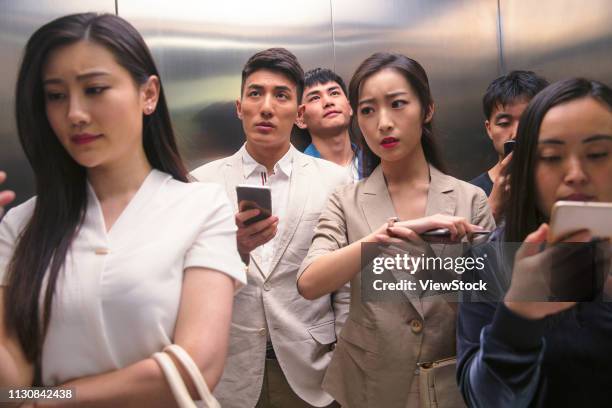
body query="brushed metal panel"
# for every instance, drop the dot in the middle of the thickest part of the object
(18, 20)
(457, 44)
(200, 48)
(558, 38)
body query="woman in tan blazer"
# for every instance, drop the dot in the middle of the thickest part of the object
(383, 344)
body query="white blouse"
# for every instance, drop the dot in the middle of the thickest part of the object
(117, 295)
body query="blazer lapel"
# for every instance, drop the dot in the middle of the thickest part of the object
(299, 188)
(234, 175)
(377, 208)
(376, 203)
(441, 198)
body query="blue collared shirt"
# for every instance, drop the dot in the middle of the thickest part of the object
(311, 150)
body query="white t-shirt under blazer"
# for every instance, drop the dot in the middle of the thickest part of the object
(117, 295)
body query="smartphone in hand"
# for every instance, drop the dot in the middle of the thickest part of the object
(570, 216)
(250, 197)
(509, 146)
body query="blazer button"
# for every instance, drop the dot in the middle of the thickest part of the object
(267, 286)
(416, 326)
(262, 331)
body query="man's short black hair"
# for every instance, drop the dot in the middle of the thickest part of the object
(320, 76)
(276, 59)
(510, 88)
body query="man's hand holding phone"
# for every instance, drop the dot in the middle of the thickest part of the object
(255, 234)
(501, 190)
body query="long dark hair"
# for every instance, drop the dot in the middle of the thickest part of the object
(61, 182)
(417, 78)
(522, 214)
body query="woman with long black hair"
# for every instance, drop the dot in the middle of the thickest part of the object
(118, 255)
(547, 342)
(383, 344)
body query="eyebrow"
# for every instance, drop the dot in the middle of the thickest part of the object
(80, 77)
(589, 139)
(387, 96)
(276, 88)
(551, 142)
(503, 115)
(595, 138)
(311, 93)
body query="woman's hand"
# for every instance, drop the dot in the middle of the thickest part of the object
(536, 273)
(411, 230)
(5, 196)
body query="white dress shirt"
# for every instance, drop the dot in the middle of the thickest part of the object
(118, 293)
(278, 181)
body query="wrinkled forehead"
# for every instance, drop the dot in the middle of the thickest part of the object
(266, 77)
(322, 87)
(77, 58)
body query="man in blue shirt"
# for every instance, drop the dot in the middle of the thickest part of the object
(326, 113)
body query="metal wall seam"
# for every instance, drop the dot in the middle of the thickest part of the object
(500, 40)
(333, 32)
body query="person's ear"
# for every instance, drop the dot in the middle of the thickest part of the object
(239, 109)
(430, 113)
(488, 128)
(149, 92)
(299, 121)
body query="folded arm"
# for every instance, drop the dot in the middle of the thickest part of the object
(202, 329)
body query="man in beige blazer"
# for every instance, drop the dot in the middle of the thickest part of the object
(280, 343)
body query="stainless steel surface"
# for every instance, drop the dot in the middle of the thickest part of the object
(18, 20)
(200, 48)
(457, 44)
(559, 39)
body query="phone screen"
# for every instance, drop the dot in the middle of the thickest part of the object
(509, 146)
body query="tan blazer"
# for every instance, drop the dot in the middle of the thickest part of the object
(375, 363)
(303, 332)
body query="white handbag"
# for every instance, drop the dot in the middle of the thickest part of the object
(179, 390)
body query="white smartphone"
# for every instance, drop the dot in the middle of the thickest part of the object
(569, 216)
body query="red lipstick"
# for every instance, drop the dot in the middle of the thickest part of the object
(84, 138)
(389, 142)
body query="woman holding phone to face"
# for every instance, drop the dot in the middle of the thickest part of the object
(376, 359)
(521, 352)
(118, 255)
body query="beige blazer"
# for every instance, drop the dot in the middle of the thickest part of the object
(375, 362)
(303, 332)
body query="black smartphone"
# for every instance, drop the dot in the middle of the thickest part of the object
(442, 235)
(250, 197)
(509, 146)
